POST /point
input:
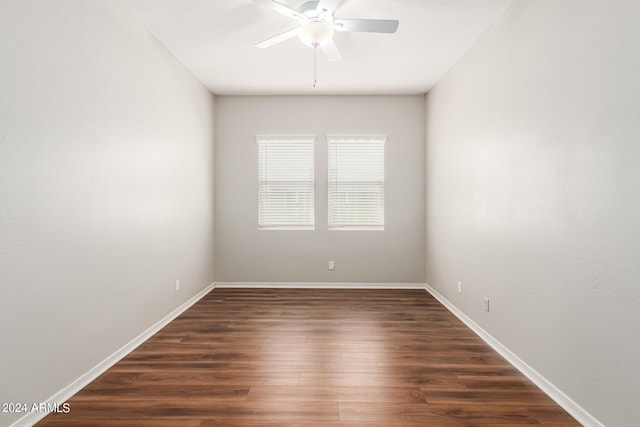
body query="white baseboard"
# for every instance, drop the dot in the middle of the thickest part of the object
(575, 410)
(319, 285)
(66, 393)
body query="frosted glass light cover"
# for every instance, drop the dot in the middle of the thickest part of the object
(315, 33)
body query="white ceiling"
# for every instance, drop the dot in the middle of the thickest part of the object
(214, 39)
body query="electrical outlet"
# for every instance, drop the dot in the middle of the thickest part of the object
(459, 286)
(177, 285)
(332, 265)
(486, 304)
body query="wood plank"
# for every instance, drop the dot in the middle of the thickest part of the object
(204, 409)
(443, 381)
(336, 394)
(114, 422)
(287, 423)
(437, 413)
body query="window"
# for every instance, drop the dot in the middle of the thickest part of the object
(285, 183)
(356, 183)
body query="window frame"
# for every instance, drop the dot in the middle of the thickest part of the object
(311, 173)
(380, 224)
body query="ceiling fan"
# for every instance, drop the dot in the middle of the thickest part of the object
(317, 25)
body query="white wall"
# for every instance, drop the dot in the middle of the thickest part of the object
(245, 254)
(106, 190)
(533, 194)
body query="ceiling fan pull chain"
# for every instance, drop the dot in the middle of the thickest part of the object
(315, 65)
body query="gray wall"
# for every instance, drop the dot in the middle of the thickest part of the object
(244, 254)
(106, 190)
(533, 194)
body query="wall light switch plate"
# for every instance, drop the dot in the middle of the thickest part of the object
(332, 265)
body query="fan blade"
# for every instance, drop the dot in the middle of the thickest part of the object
(277, 39)
(281, 8)
(366, 25)
(331, 51)
(327, 7)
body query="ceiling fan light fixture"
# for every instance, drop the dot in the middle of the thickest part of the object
(315, 33)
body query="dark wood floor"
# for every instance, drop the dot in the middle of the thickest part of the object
(297, 357)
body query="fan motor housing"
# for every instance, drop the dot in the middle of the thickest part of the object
(310, 9)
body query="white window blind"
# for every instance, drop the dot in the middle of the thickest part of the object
(285, 183)
(356, 183)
